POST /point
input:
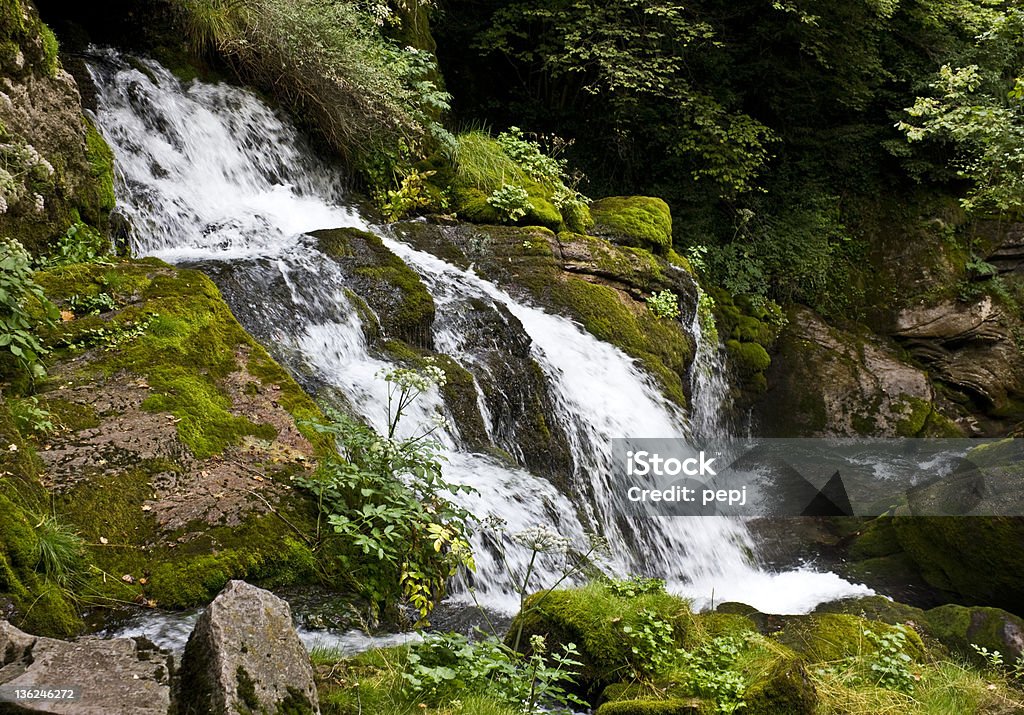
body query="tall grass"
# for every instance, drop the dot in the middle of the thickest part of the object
(480, 162)
(328, 63)
(60, 553)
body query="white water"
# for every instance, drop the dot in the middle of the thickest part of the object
(209, 173)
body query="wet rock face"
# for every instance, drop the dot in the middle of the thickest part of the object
(969, 346)
(244, 656)
(124, 676)
(861, 386)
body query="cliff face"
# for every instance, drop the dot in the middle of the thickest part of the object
(58, 171)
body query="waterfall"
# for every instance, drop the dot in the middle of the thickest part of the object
(209, 176)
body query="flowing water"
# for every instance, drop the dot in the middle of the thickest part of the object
(210, 176)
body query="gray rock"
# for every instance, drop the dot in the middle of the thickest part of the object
(123, 676)
(245, 657)
(862, 385)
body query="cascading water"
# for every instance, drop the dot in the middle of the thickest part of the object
(209, 175)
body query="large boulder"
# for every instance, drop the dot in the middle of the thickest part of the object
(245, 657)
(962, 627)
(640, 221)
(122, 676)
(862, 386)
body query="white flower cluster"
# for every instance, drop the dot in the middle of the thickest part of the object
(20, 165)
(416, 380)
(542, 539)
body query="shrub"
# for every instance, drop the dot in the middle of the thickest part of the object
(386, 498)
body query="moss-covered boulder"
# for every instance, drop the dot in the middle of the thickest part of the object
(402, 306)
(962, 627)
(600, 623)
(176, 438)
(829, 637)
(863, 386)
(970, 557)
(641, 221)
(650, 706)
(784, 687)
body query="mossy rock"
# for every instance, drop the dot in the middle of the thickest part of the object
(747, 358)
(179, 439)
(829, 637)
(785, 688)
(980, 558)
(876, 608)
(593, 618)
(402, 304)
(877, 538)
(641, 221)
(961, 627)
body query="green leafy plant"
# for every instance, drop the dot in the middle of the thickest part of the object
(512, 201)
(889, 664)
(710, 671)
(91, 304)
(386, 498)
(18, 324)
(30, 417)
(447, 665)
(81, 243)
(411, 194)
(111, 336)
(664, 304)
(652, 643)
(528, 155)
(636, 586)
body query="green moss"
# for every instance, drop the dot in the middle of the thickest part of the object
(185, 572)
(204, 421)
(670, 706)
(50, 50)
(828, 637)
(470, 204)
(541, 210)
(403, 305)
(978, 558)
(916, 413)
(39, 607)
(877, 538)
(747, 358)
(635, 220)
(960, 627)
(784, 688)
(593, 618)
(71, 416)
(662, 346)
(101, 167)
(875, 608)
(245, 689)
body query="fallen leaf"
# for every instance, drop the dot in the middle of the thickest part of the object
(103, 540)
(128, 578)
(67, 316)
(147, 507)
